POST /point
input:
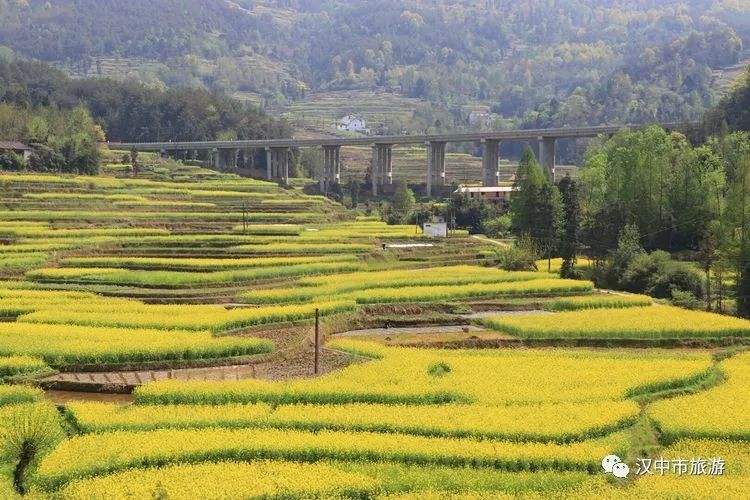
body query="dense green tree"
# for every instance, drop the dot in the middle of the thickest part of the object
(528, 184)
(129, 111)
(12, 161)
(569, 243)
(733, 112)
(655, 180)
(536, 206)
(465, 212)
(403, 202)
(549, 221)
(737, 227)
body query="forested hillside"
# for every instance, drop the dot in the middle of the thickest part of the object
(535, 63)
(64, 118)
(133, 111)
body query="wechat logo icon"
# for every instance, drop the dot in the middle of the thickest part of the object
(613, 465)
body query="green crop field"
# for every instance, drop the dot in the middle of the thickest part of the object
(196, 291)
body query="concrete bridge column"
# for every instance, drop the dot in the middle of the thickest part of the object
(435, 165)
(385, 163)
(331, 167)
(248, 158)
(269, 166)
(216, 158)
(277, 159)
(490, 158)
(547, 155)
(284, 157)
(337, 165)
(234, 156)
(375, 169)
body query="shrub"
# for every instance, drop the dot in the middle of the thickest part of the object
(46, 159)
(687, 300)
(515, 258)
(439, 369)
(28, 433)
(655, 274)
(498, 227)
(12, 161)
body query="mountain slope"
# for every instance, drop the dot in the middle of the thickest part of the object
(537, 63)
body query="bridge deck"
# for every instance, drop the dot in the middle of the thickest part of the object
(505, 135)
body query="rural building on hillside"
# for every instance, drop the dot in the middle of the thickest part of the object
(497, 195)
(480, 118)
(15, 147)
(351, 123)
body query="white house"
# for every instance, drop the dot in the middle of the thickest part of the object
(480, 118)
(351, 123)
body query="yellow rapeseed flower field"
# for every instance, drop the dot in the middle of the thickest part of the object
(721, 411)
(734, 482)
(634, 323)
(573, 421)
(60, 345)
(92, 454)
(493, 377)
(223, 480)
(600, 301)
(15, 394)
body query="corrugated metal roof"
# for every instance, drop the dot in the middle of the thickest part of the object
(486, 189)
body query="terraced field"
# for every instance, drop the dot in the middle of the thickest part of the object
(163, 284)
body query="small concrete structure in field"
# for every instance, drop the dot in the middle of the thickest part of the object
(436, 229)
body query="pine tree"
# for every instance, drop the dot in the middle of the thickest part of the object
(528, 183)
(549, 218)
(571, 215)
(536, 207)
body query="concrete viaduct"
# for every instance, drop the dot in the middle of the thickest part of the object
(225, 153)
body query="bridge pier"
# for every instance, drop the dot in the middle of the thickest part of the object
(331, 167)
(547, 155)
(277, 163)
(490, 159)
(382, 166)
(374, 172)
(435, 165)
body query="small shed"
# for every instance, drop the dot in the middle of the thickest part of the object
(436, 229)
(15, 147)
